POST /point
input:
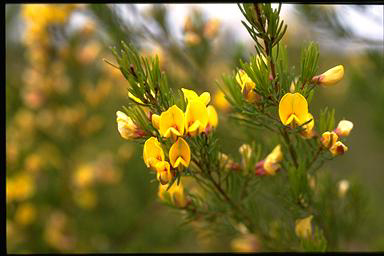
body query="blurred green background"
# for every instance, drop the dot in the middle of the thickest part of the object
(74, 185)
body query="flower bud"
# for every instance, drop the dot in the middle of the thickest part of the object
(328, 139)
(338, 148)
(271, 164)
(246, 152)
(331, 76)
(344, 128)
(127, 128)
(343, 188)
(303, 227)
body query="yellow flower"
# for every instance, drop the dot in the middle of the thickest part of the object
(156, 121)
(246, 243)
(303, 227)
(271, 163)
(25, 214)
(175, 193)
(211, 28)
(180, 153)
(331, 76)
(247, 86)
(196, 117)
(84, 176)
(213, 118)
(220, 101)
(152, 152)
(164, 174)
(308, 128)
(344, 128)
(127, 128)
(338, 148)
(328, 139)
(293, 107)
(190, 95)
(172, 122)
(192, 38)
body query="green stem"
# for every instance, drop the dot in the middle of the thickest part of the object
(290, 147)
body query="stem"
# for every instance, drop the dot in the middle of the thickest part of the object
(290, 147)
(315, 157)
(267, 41)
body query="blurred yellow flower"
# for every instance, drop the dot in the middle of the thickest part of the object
(343, 188)
(338, 148)
(20, 187)
(152, 152)
(211, 28)
(25, 214)
(246, 243)
(192, 38)
(180, 153)
(175, 193)
(89, 52)
(190, 95)
(344, 128)
(247, 86)
(196, 117)
(83, 176)
(220, 101)
(164, 174)
(33, 163)
(293, 107)
(331, 76)
(271, 163)
(172, 123)
(303, 227)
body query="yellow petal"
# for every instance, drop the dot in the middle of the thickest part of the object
(213, 118)
(126, 127)
(328, 139)
(180, 153)
(190, 95)
(205, 97)
(156, 121)
(175, 193)
(196, 117)
(163, 170)
(152, 152)
(271, 163)
(303, 227)
(344, 128)
(308, 133)
(172, 122)
(293, 107)
(332, 76)
(220, 101)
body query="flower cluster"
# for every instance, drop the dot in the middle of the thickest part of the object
(330, 140)
(173, 125)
